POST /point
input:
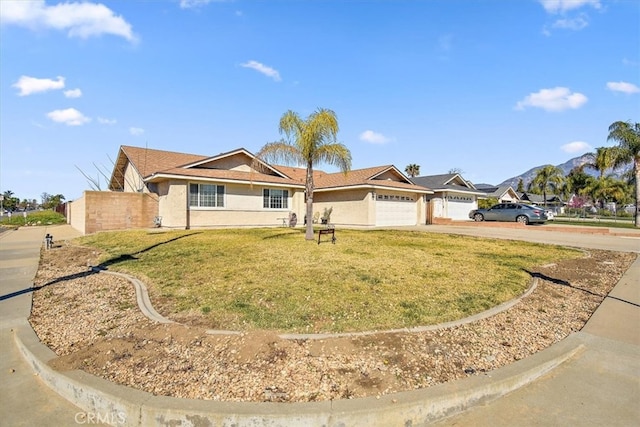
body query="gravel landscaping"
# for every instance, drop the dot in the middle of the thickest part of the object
(93, 323)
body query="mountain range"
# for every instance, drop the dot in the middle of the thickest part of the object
(566, 167)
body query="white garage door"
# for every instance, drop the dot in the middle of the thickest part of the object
(393, 212)
(459, 210)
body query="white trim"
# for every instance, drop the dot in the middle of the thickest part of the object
(225, 180)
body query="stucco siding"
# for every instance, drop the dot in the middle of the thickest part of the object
(132, 181)
(236, 162)
(352, 207)
(173, 204)
(76, 214)
(243, 206)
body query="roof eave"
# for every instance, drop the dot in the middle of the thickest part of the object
(162, 176)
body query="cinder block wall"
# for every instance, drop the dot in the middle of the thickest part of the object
(108, 210)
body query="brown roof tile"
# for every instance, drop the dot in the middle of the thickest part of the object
(162, 163)
(223, 174)
(148, 161)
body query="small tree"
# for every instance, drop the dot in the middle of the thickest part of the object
(547, 178)
(309, 142)
(412, 170)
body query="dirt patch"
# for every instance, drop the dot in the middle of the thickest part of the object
(92, 322)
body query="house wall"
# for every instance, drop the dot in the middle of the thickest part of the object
(172, 204)
(237, 162)
(508, 197)
(76, 214)
(108, 210)
(350, 207)
(388, 175)
(132, 181)
(243, 207)
(358, 207)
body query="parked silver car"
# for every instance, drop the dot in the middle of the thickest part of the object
(520, 212)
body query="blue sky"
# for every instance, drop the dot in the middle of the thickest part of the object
(491, 87)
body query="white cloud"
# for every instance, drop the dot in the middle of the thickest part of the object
(556, 99)
(373, 137)
(575, 24)
(264, 69)
(576, 147)
(624, 87)
(29, 85)
(188, 4)
(630, 63)
(70, 117)
(561, 6)
(73, 93)
(104, 121)
(82, 20)
(136, 131)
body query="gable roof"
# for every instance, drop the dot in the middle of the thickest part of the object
(447, 182)
(499, 191)
(157, 165)
(539, 198)
(146, 161)
(240, 151)
(369, 178)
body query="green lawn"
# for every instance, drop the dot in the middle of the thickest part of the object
(370, 279)
(608, 222)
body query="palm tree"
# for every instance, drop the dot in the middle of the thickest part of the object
(627, 135)
(575, 181)
(602, 160)
(412, 170)
(606, 189)
(547, 178)
(308, 142)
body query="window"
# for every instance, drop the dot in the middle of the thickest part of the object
(206, 195)
(275, 199)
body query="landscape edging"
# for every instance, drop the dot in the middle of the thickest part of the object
(146, 307)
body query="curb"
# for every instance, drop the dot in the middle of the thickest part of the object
(123, 406)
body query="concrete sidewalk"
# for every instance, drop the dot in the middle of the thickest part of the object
(24, 399)
(598, 385)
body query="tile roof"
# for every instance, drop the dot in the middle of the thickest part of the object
(223, 174)
(442, 183)
(156, 164)
(148, 161)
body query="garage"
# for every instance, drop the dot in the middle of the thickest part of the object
(395, 210)
(458, 206)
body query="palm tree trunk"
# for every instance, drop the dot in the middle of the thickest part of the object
(309, 193)
(637, 173)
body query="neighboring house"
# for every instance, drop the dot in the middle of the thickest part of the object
(503, 193)
(453, 198)
(553, 201)
(235, 189)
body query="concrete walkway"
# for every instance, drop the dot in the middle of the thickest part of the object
(598, 385)
(24, 399)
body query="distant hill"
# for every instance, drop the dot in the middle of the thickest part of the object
(566, 167)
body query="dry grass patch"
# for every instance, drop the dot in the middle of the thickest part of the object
(274, 279)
